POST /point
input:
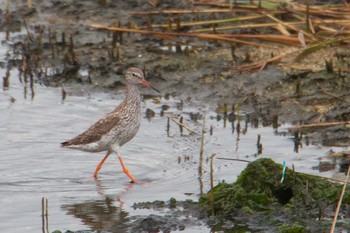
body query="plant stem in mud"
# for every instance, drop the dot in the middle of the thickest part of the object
(183, 126)
(149, 22)
(212, 184)
(63, 39)
(31, 83)
(29, 3)
(64, 94)
(275, 122)
(168, 127)
(7, 9)
(118, 55)
(200, 168)
(307, 18)
(28, 33)
(340, 201)
(170, 28)
(180, 125)
(238, 128)
(45, 215)
(71, 48)
(6, 80)
(259, 145)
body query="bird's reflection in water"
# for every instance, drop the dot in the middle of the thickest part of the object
(105, 214)
(100, 190)
(100, 215)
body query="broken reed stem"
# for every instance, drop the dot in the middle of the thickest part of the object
(7, 8)
(296, 29)
(169, 35)
(212, 184)
(64, 93)
(325, 124)
(44, 206)
(260, 65)
(194, 11)
(168, 126)
(45, 214)
(182, 125)
(330, 178)
(201, 153)
(307, 16)
(259, 145)
(28, 32)
(239, 160)
(209, 22)
(340, 201)
(47, 207)
(71, 48)
(202, 145)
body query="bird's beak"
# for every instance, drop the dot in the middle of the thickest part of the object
(148, 84)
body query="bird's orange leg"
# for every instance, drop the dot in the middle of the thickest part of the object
(99, 166)
(126, 171)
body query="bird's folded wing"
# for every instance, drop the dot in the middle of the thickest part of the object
(96, 131)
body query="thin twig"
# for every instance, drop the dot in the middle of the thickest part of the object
(324, 124)
(201, 154)
(183, 125)
(240, 160)
(340, 201)
(330, 94)
(212, 183)
(208, 22)
(169, 35)
(260, 65)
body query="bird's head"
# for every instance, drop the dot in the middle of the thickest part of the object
(135, 76)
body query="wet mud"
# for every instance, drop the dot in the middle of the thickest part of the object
(60, 47)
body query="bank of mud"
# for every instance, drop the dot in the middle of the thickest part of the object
(58, 46)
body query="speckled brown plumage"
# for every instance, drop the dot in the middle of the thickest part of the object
(95, 132)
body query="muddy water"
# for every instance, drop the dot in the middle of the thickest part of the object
(32, 165)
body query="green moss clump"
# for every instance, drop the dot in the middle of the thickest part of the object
(258, 190)
(295, 228)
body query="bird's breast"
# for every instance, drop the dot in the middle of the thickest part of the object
(127, 127)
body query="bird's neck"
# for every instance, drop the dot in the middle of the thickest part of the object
(132, 93)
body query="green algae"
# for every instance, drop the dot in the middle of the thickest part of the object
(295, 228)
(301, 200)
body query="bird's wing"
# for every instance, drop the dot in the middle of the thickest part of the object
(96, 131)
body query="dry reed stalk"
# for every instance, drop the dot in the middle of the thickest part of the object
(325, 124)
(209, 22)
(340, 201)
(282, 39)
(332, 22)
(183, 125)
(168, 35)
(201, 159)
(239, 160)
(212, 183)
(195, 11)
(312, 37)
(247, 26)
(261, 65)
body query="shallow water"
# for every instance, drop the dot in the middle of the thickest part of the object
(32, 164)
